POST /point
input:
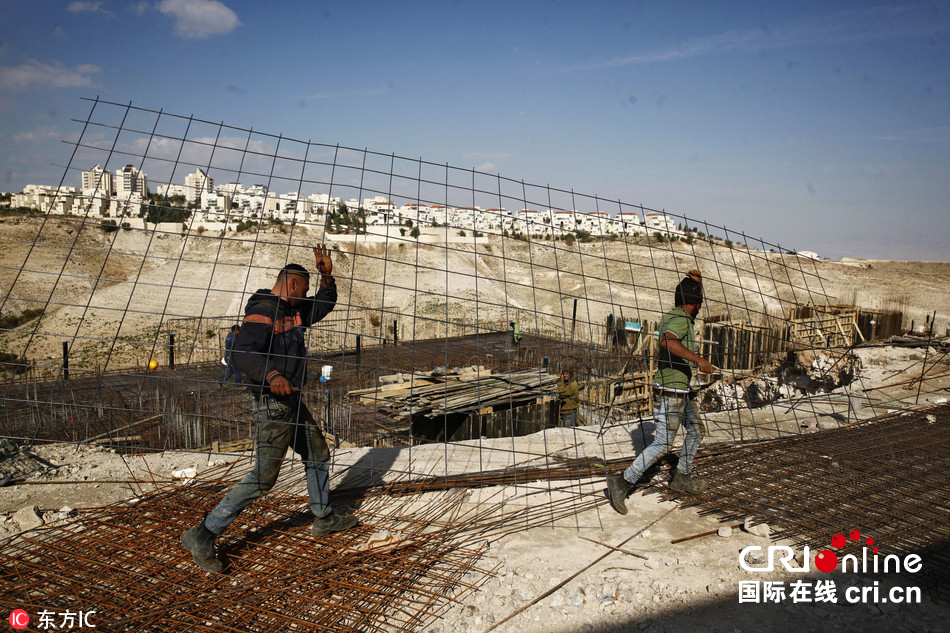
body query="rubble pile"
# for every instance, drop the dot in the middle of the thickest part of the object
(799, 374)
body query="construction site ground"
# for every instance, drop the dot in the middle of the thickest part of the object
(571, 563)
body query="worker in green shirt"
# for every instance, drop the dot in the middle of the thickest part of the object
(674, 402)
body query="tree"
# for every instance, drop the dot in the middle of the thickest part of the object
(414, 233)
(155, 213)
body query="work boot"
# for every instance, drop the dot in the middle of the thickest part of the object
(686, 483)
(199, 540)
(333, 522)
(617, 490)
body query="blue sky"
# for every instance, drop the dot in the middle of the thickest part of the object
(818, 126)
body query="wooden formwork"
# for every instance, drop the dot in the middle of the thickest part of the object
(632, 393)
(739, 346)
(870, 325)
(824, 330)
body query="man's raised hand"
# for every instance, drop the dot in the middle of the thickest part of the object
(322, 255)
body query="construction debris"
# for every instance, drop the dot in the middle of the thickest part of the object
(462, 393)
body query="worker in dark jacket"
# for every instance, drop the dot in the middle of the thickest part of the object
(271, 351)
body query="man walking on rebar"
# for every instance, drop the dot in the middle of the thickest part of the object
(271, 351)
(674, 402)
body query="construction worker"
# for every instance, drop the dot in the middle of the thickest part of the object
(568, 395)
(674, 402)
(271, 352)
(516, 334)
(227, 360)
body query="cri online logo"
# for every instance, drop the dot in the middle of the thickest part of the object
(19, 619)
(827, 561)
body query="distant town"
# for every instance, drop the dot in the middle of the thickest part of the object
(123, 197)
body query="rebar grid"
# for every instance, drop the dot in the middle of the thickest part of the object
(125, 562)
(885, 478)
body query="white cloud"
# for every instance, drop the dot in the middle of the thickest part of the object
(940, 134)
(860, 25)
(196, 19)
(487, 167)
(35, 74)
(37, 134)
(88, 7)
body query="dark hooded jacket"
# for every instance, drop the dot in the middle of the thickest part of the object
(272, 338)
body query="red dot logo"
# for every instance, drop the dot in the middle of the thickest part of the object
(837, 541)
(19, 619)
(855, 535)
(826, 560)
(870, 541)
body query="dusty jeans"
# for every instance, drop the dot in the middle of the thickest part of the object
(668, 412)
(280, 424)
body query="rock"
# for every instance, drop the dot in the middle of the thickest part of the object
(184, 473)
(717, 588)
(760, 529)
(28, 518)
(725, 531)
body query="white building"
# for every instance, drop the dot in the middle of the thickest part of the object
(659, 222)
(198, 184)
(628, 223)
(129, 180)
(97, 182)
(169, 190)
(596, 222)
(46, 198)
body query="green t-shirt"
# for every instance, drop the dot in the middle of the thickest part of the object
(672, 371)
